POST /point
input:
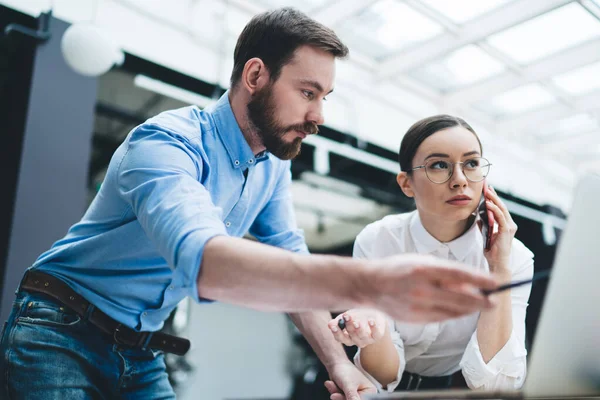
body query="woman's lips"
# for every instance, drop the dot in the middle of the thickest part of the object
(459, 202)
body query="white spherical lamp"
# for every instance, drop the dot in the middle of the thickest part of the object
(89, 51)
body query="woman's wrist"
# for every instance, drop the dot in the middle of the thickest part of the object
(501, 271)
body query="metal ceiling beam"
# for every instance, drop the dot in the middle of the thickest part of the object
(504, 17)
(565, 61)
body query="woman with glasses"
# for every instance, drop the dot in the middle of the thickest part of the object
(442, 168)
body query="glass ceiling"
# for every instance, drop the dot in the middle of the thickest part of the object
(461, 11)
(303, 5)
(462, 67)
(519, 100)
(387, 26)
(575, 125)
(547, 34)
(487, 66)
(580, 81)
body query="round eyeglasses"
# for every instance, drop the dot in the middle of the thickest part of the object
(440, 171)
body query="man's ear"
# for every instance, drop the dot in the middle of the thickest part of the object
(255, 75)
(405, 184)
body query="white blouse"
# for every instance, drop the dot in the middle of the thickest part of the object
(442, 348)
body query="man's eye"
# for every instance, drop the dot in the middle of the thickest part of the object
(308, 94)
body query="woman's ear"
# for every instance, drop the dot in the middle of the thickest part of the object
(405, 184)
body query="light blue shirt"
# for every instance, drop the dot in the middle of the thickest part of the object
(175, 182)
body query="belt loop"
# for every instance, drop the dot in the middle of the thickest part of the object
(145, 339)
(88, 312)
(418, 382)
(410, 378)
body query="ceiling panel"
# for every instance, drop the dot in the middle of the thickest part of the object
(462, 67)
(387, 26)
(547, 34)
(460, 11)
(517, 101)
(580, 81)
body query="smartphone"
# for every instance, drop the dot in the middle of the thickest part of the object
(487, 219)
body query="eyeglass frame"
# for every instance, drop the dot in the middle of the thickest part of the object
(489, 164)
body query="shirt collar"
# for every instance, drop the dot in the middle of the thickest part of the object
(231, 135)
(459, 247)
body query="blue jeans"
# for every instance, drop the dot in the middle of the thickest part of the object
(49, 352)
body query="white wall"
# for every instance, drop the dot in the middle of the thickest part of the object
(238, 353)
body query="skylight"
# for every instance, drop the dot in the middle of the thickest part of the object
(387, 26)
(580, 81)
(577, 124)
(547, 34)
(460, 11)
(462, 67)
(519, 100)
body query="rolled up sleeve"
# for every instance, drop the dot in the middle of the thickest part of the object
(399, 345)
(508, 368)
(159, 178)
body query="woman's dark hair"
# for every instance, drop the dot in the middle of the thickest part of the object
(421, 130)
(274, 36)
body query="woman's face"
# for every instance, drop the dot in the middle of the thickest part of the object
(438, 200)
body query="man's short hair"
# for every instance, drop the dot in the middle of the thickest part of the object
(274, 36)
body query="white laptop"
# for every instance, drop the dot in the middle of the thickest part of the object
(565, 358)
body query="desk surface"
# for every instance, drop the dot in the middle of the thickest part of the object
(465, 395)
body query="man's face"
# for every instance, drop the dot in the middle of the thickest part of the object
(286, 111)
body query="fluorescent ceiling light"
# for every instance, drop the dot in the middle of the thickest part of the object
(460, 11)
(580, 81)
(171, 91)
(547, 34)
(515, 101)
(387, 26)
(464, 66)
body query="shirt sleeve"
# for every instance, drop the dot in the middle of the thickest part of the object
(508, 368)
(362, 249)
(158, 177)
(399, 345)
(276, 225)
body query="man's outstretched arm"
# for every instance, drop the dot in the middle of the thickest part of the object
(409, 287)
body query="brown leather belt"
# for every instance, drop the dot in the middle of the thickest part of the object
(40, 282)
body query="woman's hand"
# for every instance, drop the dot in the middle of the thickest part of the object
(363, 327)
(498, 256)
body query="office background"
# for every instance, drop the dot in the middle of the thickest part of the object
(524, 73)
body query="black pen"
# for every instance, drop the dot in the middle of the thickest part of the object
(538, 275)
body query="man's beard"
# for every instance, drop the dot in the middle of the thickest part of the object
(261, 113)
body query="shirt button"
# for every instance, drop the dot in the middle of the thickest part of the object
(236, 162)
(228, 224)
(171, 287)
(145, 314)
